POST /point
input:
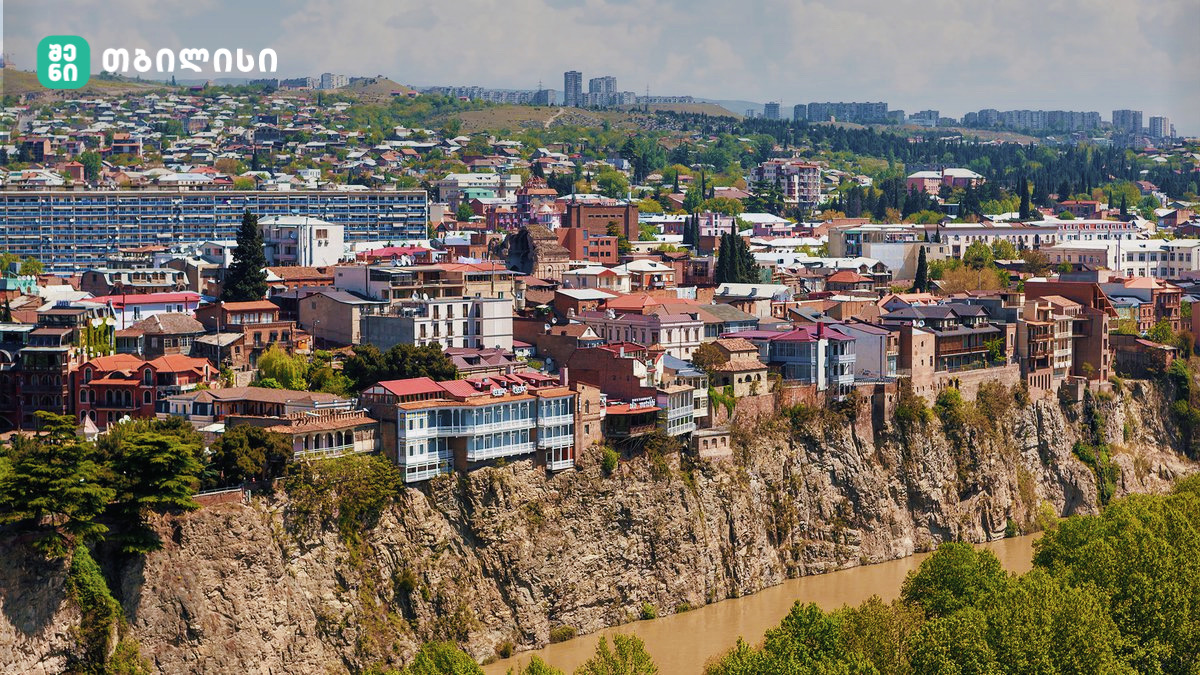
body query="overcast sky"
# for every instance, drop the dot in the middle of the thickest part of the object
(952, 55)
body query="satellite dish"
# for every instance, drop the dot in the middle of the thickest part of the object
(97, 322)
(109, 321)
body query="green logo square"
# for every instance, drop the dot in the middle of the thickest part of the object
(63, 62)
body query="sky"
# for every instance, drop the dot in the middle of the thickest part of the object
(955, 56)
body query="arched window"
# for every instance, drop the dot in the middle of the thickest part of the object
(83, 396)
(87, 374)
(147, 399)
(148, 376)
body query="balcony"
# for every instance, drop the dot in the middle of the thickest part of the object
(550, 442)
(556, 420)
(632, 431)
(560, 465)
(479, 455)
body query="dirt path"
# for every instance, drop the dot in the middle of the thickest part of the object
(547, 123)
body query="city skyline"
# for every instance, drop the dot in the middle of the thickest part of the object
(864, 52)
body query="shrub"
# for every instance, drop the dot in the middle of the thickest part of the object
(648, 611)
(608, 463)
(910, 408)
(683, 606)
(562, 634)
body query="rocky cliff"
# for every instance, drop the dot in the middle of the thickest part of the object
(503, 556)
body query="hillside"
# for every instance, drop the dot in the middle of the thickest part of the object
(376, 88)
(344, 572)
(15, 82)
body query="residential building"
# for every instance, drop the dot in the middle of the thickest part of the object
(819, 356)
(1086, 209)
(472, 322)
(302, 241)
(104, 281)
(740, 370)
(595, 218)
(771, 110)
(613, 279)
(320, 433)
(212, 406)
(1091, 357)
(161, 334)
(573, 89)
(963, 334)
(1144, 300)
(799, 181)
(1158, 258)
(130, 309)
(77, 229)
(932, 182)
(456, 188)
(334, 316)
(876, 349)
(1046, 337)
(110, 388)
(1160, 127)
(259, 323)
(676, 334)
(444, 280)
(846, 112)
(1127, 121)
(466, 423)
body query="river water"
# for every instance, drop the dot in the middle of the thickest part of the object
(681, 643)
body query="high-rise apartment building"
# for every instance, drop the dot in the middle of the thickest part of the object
(333, 81)
(72, 230)
(1160, 127)
(799, 112)
(573, 88)
(1128, 121)
(848, 112)
(771, 110)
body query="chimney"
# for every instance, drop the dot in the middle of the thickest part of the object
(563, 377)
(820, 329)
(622, 350)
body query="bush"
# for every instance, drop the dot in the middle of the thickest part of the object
(608, 463)
(910, 409)
(562, 634)
(648, 612)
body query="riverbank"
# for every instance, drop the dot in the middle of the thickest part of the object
(682, 643)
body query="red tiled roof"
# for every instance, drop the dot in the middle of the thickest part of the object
(411, 387)
(146, 299)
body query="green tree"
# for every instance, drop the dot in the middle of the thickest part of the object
(442, 658)
(977, 256)
(614, 230)
(612, 184)
(156, 469)
(91, 165)
(735, 263)
(1036, 262)
(291, 372)
(54, 487)
(1026, 210)
(246, 279)
(723, 205)
(31, 266)
(956, 576)
(246, 453)
(463, 213)
(628, 656)
(1162, 333)
(921, 280)
(707, 356)
(953, 644)
(368, 365)
(1002, 249)
(693, 201)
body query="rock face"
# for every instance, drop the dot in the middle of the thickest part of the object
(505, 555)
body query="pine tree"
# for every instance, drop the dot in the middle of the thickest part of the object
(55, 486)
(1026, 210)
(246, 278)
(921, 282)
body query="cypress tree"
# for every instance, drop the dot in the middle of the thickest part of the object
(1026, 211)
(921, 282)
(1124, 206)
(246, 279)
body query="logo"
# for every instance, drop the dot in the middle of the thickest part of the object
(63, 62)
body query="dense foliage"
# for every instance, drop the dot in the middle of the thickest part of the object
(1115, 593)
(246, 279)
(368, 365)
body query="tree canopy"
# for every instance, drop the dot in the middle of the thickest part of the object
(246, 279)
(735, 263)
(368, 365)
